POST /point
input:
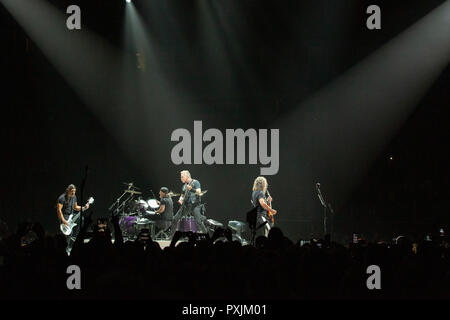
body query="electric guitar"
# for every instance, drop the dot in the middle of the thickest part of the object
(191, 198)
(67, 229)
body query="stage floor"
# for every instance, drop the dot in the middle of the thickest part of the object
(162, 243)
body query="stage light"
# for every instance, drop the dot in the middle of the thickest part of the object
(128, 1)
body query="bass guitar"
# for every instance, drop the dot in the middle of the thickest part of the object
(73, 218)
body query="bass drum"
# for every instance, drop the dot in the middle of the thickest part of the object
(187, 224)
(128, 226)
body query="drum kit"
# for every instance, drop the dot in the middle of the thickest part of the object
(135, 213)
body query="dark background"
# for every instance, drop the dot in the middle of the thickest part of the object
(291, 49)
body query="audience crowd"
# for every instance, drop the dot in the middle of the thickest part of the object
(34, 265)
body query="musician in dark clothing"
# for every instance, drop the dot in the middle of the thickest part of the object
(260, 201)
(190, 201)
(65, 206)
(164, 214)
(165, 211)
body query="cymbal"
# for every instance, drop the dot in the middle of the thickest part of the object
(171, 194)
(132, 191)
(130, 185)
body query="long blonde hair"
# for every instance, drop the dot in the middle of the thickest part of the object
(261, 184)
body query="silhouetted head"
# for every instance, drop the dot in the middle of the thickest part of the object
(275, 234)
(261, 241)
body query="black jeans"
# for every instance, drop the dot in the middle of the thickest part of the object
(73, 236)
(196, 212)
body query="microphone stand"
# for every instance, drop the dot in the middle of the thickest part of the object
(322, 202)
(331, 218)
(122, 205)
(83, 183)
(117, 202)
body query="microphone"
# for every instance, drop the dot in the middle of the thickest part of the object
(319, 194)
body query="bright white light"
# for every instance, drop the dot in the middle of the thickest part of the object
(128, 1)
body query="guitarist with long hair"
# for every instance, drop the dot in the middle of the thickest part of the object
(65, 206)
(265, 212)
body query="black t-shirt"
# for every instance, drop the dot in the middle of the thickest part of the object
(68, 204)
(191, 198)
(256, 195)
(168, 210)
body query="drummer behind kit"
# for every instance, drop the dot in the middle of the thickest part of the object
(136, 214)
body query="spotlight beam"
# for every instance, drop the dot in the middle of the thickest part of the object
(155, 101)
(83, 59)
(95, 70)
(337, 133)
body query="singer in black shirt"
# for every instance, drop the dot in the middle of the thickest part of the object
(190, 201)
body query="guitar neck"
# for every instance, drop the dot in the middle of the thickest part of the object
(90, 201)
(270, 206)
(269, 202)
